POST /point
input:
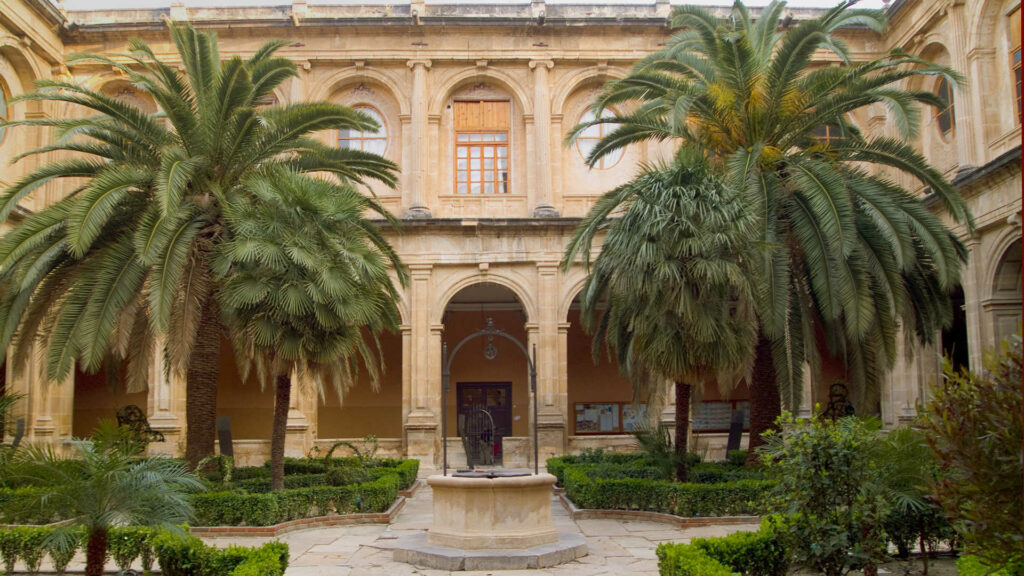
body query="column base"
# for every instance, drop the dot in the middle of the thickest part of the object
(545, 211)
(422, 442)
(417, 213)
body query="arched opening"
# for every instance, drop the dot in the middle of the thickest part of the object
(97, 397)
(1006, 294)
(954, 338)
(249, 405)
(363, 410)
(488, 400)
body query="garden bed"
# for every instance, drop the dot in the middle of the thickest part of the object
(608, 485)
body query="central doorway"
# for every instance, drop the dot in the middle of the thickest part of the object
(484, 420)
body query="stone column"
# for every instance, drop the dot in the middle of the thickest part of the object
(984, 117)
(975, 287)
(965, 94)
(807, 393)
(300, 429)
(165, 406)
(550, 414)
(51, 406)
(542, 138)
(421, 422)
(417, 159)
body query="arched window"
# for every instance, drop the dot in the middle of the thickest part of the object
(376, 142)
(944, 118)
(3, 109)
(588, 139)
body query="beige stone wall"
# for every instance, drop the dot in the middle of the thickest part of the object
(410, 63)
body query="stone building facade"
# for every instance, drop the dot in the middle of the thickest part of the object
(501, 84)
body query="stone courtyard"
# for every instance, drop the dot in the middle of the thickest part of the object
(615, 546)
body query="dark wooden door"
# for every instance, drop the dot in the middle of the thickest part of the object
(493, 397)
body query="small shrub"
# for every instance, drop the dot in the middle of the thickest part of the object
(749, 553)
(971, 565)
(10, 548)
(924, 527)
(686, 560)
(182, 555)
(975, 426)
(31, 543)
(62, 551)
(736, 457)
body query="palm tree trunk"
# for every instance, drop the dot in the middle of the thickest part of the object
(282, 400)
(682, 430)
(96, 552)
(765, 404)
(201, 388)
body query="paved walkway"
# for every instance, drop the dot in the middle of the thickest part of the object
(616, 546)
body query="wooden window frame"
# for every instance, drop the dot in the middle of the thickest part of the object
(833, 134)
(603, 163)
(733, 405)
(363, 138)
(1015, 60)
(491, 176)
(947, 135)
(619, 430)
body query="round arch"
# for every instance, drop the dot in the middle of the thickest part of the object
(1008, 239)
(575, 280)
(500, 77)
(340, 79)
(573, 83)
(26, 69)
(985, 21)
(517, 286)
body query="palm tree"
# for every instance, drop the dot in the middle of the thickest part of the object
(671, 289)
(126, 254)
(852, 255)
(306, 286)
(104, 483)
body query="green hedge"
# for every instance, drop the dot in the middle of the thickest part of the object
(264, 509)
(748, 553)
(181, 555)
(684, 560)
(739, 498)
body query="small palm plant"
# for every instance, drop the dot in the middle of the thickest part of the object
(671, 292)
(105, 483)
(307, 287)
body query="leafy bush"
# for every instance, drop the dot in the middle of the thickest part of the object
(129, 543)
(975, 426)
(736, 457)
(62, 551)
(686, 560)
(31, 544)
(10, 548)
(758, 553)
(972, 565)
(831, 491)
(31, 541)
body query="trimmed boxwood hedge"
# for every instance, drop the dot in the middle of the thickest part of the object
(748, 553)
(181, 555)
(737, 498)
(251, 503)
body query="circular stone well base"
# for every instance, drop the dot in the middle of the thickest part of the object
(414, 549)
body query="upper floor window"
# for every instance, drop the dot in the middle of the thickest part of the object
(375, 141)
(3, 109)
(481, 146)
(829, 134)
(1015, 56)
(944, 118)
(588, 139)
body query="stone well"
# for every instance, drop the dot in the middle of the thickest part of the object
(488, 521)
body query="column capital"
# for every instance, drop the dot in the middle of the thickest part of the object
(436, 329)
(547, 268)
(545, 64)
(563, 327)
(420, 271)
(419, 62)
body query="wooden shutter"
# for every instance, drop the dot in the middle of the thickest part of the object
(486, 115)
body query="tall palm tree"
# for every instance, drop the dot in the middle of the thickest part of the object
(306, 287)
(104, 483)
(852, 255)
(671, 292)
(125, 256)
